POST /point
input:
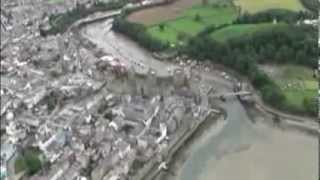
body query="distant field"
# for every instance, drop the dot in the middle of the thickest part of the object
(55, 1)
(253, 6)
(239, 30)
(296, 82)
(159, 14)
(186, 23)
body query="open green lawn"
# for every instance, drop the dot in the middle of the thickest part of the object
(186, 23)
(296, 82)
(239, 30)
(253, 6)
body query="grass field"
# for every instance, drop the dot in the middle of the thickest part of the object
(253, 6)
(238, 30)
(186, 23)
(296, 82)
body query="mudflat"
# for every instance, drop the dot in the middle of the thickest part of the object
(282, 155)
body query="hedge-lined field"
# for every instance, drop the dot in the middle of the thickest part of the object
(253, 6)
(238, 30)
(192, 21)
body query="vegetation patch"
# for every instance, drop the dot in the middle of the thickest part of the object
(296, 44)
(28, 161)
(253, 6)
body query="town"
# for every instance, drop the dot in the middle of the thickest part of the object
(77, 103)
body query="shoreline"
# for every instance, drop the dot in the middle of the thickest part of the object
(150, 171)
(179, 157)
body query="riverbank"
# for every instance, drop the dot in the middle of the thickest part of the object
(181, 155)
(259, 114)
(181, 142)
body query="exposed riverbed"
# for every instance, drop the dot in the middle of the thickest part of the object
(247, 151)
(241, 150)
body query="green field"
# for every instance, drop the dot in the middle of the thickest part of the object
(296, 82)
(186, 23)
(253, 6)
(296, 98)
(168, 34)
(239, 30)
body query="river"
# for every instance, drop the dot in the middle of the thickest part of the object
(247, 151)
(241, 150)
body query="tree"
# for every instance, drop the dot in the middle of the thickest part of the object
(300, 56)
(198, 18)
(242, 63)
(269, 51)
(161, 26)
(273, 95)
(182, 36)
(260, 79)
(28, 161)
(310, 105)
(283, 54)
